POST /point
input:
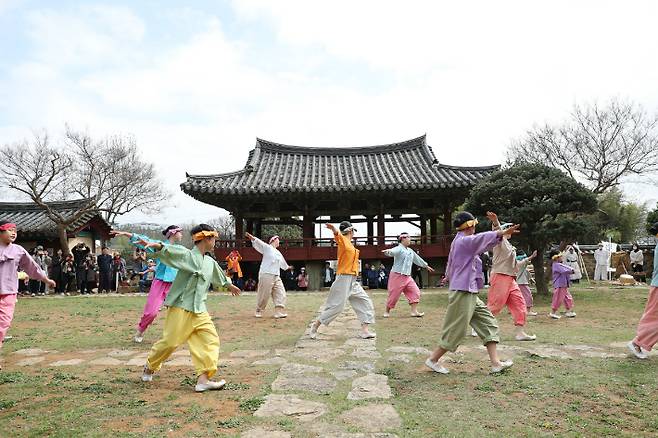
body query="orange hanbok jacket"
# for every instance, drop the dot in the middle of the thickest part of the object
(233, 260)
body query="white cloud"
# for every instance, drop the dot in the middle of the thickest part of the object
(472, 78)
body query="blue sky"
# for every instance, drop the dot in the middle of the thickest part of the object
(210, 76)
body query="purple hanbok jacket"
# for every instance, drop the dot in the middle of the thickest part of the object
(461, 269)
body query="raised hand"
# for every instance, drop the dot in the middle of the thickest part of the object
(430, 269)
(115, 233)
(514, 229)
(331, 227)
(533, 255)
(493, 217)
(249, 236)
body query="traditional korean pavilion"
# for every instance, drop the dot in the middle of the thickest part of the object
(283, 184)
(36, 228)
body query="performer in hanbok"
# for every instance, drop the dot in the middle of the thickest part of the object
(400, 280)
(504, 291)
(269, 276)
(647, 328)
(464, 306)
(187, 317)
(346, 287)
(14, 258)
(561, 282)
(164, 276)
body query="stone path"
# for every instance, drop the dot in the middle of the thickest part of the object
(337, 362)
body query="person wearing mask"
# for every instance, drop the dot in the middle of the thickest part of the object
(571, 259)
(602, 258)
(637, 262)
(302, 279)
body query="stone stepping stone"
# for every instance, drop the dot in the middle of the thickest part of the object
(69, 362)
(231, 362)
(344, 374)
(30, 361)
(259, 432)
(318, 354)
(106, 361)
(373, 418)
(409, 350)
(314, 343)
(370, 386)
(405, 358)
(31, 352)
(366, 354)
(293, 369)
(548, 353)
(282, 351)
(361, 343)
(289, 405)
(368, 367)
(249, 354)
(271, 361)
(602, 354)
(581, 347)
(122, 353)
(314, 384)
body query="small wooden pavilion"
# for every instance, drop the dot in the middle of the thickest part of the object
(36, 228)
(304, 186)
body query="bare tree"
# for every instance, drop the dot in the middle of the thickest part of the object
(225, 226)
(109, 174)
(112, 170)
(598, 146)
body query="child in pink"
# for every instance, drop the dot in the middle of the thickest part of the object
(523, 280)
(164, 277)
(400, 280)
(647, 328)
(561, 281)
(12, 259)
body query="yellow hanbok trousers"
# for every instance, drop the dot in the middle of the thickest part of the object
(198, 330)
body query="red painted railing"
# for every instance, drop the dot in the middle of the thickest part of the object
(325, 248)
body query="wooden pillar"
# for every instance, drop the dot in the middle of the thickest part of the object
(423, 229)
(250, 226)
(370, 224)
(433, 227)
(308, 231)
(239, 231)
(381, 229)
(258, 228)
(447, 221)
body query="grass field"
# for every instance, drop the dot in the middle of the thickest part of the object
(581, 396)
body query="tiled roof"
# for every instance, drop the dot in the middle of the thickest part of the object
(32, 220)
(276, 168)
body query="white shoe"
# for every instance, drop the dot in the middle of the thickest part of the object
(314, 331)
(570, 314)
(639, 354)
(418, 314)
(139, 338)
(209, 385)
(532, 314)
(502, 367)
(436, 367)
(386, 315)
(279, 315)
(524, 337)
(368, 335)
(258, 314)
(474, 333)
(146, 375)
(554, 315)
